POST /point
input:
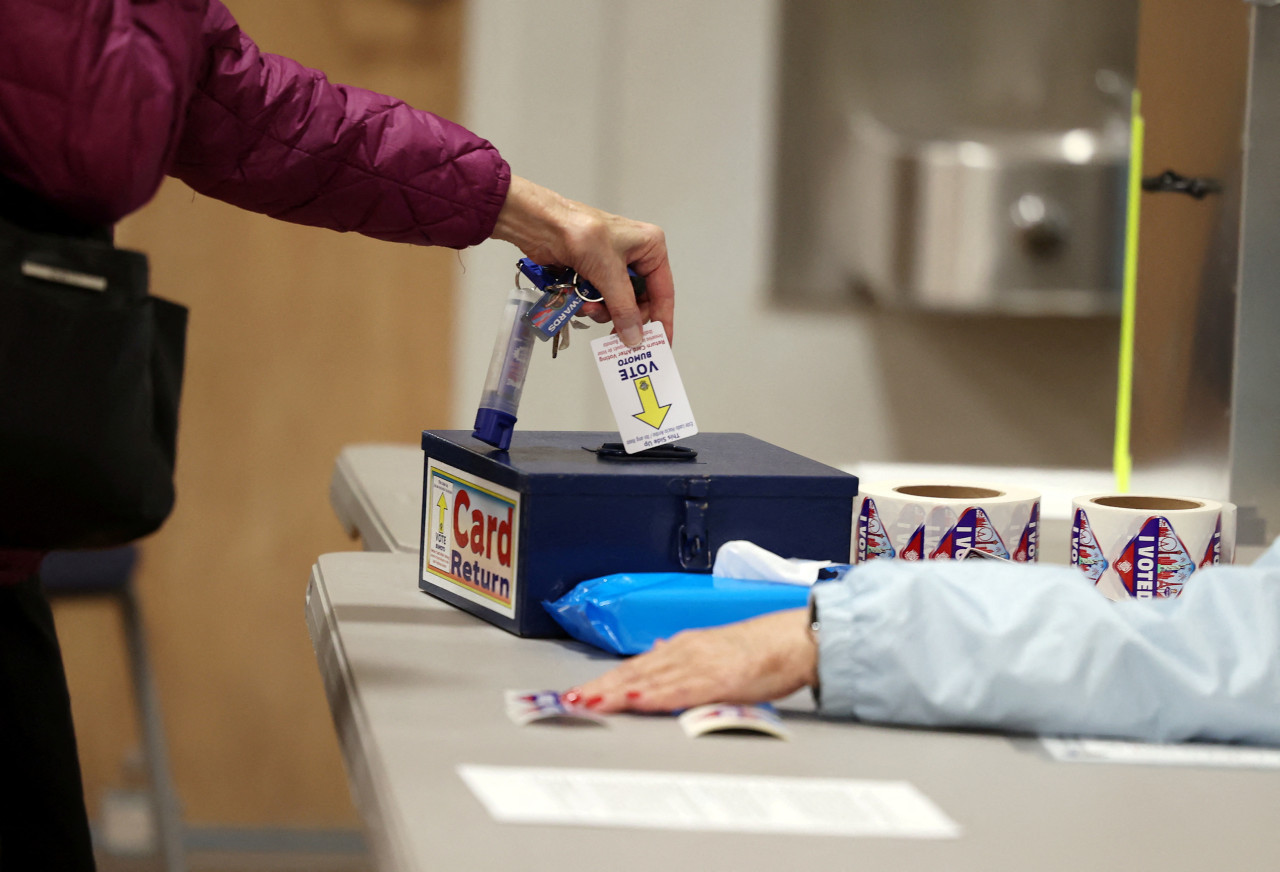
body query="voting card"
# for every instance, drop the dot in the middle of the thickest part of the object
(644, 390)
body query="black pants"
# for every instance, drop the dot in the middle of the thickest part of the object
(43, 824)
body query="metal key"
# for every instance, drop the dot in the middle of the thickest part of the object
(559, 341)
(565, 332)
(564, 293)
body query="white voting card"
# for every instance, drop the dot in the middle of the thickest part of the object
(1151, 754)
(644, 390)
(695, 801)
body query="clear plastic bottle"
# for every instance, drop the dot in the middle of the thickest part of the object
(496, 417)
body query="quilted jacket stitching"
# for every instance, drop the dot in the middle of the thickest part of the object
(262, 134)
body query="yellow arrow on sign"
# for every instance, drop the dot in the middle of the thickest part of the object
(444, 507)
(653, 414)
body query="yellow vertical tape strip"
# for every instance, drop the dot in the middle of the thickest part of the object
(1123, 460)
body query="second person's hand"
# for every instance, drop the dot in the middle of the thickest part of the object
(754, 661)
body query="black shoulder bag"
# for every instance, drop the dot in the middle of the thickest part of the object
(90, 378)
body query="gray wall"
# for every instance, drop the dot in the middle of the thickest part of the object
(665, 111)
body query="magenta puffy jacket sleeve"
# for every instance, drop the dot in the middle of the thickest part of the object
(92, 98)
(270, 135)
(99, 99)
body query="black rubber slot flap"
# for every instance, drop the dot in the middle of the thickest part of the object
(615, 451)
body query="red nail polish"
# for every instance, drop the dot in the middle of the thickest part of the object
(633, 694)
(571, 697)
(594, 701)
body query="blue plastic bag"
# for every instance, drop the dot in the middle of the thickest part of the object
(627, 613)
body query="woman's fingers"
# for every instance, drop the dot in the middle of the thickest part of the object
(552, 229)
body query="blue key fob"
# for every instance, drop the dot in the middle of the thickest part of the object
(591, 295)
(553, 310)
(544, 277)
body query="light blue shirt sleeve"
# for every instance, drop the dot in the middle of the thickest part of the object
(1037, 649)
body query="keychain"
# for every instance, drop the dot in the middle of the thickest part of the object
(528, 315)
(564, 292)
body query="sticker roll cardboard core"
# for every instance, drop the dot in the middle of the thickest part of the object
(1148, 504)
(948, 492)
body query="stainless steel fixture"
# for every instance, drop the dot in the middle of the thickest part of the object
(955, 155)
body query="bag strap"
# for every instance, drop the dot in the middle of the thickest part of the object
(39, 242)
(34, 214)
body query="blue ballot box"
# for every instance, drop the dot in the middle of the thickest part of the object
(504, 530)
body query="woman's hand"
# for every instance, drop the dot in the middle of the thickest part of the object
(555, 231)
(757, 660)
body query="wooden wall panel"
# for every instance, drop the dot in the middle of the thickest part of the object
(301, 341)
(1193, 58)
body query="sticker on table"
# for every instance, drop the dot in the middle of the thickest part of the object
(761, 720)
(700, 801)
(1156, 754)
(548, 707)
(644, 390)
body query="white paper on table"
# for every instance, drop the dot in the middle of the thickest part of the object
(697, 801)
(1152, 754)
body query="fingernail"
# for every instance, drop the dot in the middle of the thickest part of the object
(571, 697)
(594, 701)
(633, 694)
(632, 337)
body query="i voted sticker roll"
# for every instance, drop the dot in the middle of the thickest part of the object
(914, 520)
(1148, 547)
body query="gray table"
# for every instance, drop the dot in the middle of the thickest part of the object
(376, 492)
(416, 689)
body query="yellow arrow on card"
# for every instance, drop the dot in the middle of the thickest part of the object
(444, 507)
(653, 414)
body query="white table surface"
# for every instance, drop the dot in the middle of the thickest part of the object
(416, 688)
